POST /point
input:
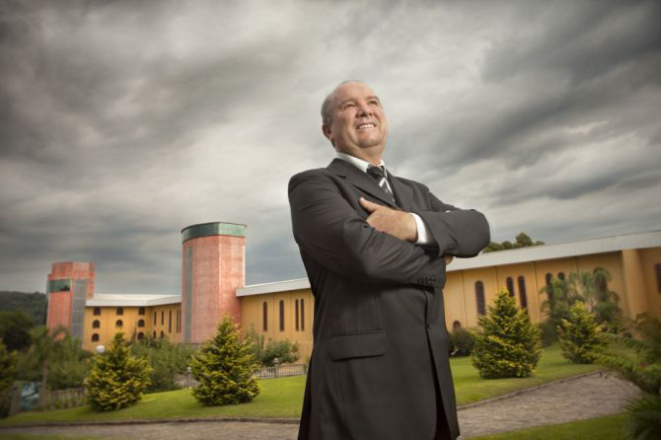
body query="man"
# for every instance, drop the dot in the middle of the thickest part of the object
(374, 247)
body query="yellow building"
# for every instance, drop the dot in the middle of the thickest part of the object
(285, 309)
(138, 316)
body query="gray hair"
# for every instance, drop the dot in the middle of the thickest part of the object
(326, 112)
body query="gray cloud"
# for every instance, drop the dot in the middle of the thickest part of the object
(123, 122)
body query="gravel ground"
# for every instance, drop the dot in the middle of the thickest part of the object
(581, 398)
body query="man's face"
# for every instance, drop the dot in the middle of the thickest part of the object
(359, 126)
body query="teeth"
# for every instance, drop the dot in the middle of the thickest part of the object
(366, 126)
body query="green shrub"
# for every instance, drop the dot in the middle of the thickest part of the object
(508, 344)
(644, 421)
(548, 332)
(68, 365)
(285, 351)
(166, 359)
(8, 372)
(117, 379)
(462, 342)
(579, 338)
(224, 368)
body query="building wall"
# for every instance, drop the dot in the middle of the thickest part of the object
(62, 309)
(253, 317)
(649, 258)
(213, 268)
(131, 328)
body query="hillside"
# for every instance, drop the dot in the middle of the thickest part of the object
(33, 304)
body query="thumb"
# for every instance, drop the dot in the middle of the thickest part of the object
(370, 206)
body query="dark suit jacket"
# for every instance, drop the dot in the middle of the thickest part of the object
(380, 339)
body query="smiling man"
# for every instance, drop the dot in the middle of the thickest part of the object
(375, 249)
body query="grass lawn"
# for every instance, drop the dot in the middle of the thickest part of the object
(284, 397)
(601, 428)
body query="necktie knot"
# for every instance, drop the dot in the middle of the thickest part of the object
(376, 172)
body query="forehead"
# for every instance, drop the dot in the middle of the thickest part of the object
(352, 90)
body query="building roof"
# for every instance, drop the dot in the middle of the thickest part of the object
(501, 258)
(131, 300)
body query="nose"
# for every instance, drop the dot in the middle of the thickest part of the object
(364, 109)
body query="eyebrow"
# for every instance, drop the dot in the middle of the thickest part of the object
(368, 98)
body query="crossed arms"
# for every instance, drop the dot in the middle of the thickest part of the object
(336, 232)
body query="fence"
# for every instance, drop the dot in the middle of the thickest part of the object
(26, 396)
(282, 371)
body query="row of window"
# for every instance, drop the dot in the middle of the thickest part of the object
(480, 300)
(119, 311)
(299, 315)
(140, 336)
(141, 323)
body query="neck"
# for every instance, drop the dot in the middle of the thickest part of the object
(369, 155)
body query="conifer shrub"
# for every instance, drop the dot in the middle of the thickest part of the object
(579, 336)
(508, 344)
(7, 374)
(116, 379)
(224, 368)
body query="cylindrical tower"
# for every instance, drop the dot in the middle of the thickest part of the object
(70, 284)
(213, 268)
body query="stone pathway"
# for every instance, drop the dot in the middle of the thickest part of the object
(581, 398)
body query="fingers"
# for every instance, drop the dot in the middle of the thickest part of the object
(448, 259)
(369, 206)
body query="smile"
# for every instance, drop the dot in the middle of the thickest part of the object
(366, 126)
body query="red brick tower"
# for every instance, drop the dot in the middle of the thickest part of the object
(213, 268)
(70, 284)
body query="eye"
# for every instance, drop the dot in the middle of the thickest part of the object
(348, 104)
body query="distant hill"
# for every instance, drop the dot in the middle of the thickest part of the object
(33, 304)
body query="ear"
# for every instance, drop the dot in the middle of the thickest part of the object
(325, 129)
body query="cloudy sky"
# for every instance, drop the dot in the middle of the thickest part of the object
(122, 122)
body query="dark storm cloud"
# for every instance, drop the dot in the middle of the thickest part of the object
(123, 122)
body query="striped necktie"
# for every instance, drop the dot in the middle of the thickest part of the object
(378, 173)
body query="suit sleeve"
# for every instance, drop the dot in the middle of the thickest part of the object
(329, 230)
(458, 232)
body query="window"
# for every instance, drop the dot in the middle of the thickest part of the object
(154, 321)
(600, 278)
(265, 316)
(456, 325)
(120, 311)
(119, 323)
(302, 314)
(95, 337)
(96, 324)
(162, 334)
(510, 286)
(522, 292)
(479, 298)
(170, 322)
(154, 334)
(141, 336)
(282, 316)
(296, 312)
(141, 323)
(178, 321)
(97, 311)
(163, 317)
(657, 270)
(549, 277)
(561, 276)
(141, 311)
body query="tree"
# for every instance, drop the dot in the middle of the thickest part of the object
(117, 379)
(45, 343)
(166, 359)
(644, 371)
(285, 351)
(559, 300)
(593, 286)
(579, 338)
(508, 344)
(8, 370)
(224, 368)
(68, 366)
(522, 240)
(15, 330)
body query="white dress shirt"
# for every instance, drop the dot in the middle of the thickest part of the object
(424, 235)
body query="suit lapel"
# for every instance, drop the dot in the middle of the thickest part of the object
(360, 180)
(403, 193)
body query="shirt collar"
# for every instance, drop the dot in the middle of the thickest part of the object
(359, 163)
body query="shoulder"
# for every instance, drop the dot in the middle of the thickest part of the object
(313, 175)
(413, 184)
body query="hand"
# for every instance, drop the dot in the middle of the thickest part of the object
(399, 224)
(448, 259)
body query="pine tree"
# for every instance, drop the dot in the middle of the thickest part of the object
(224, 368)
(508, 345)
(117, 379)
(579, 337)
